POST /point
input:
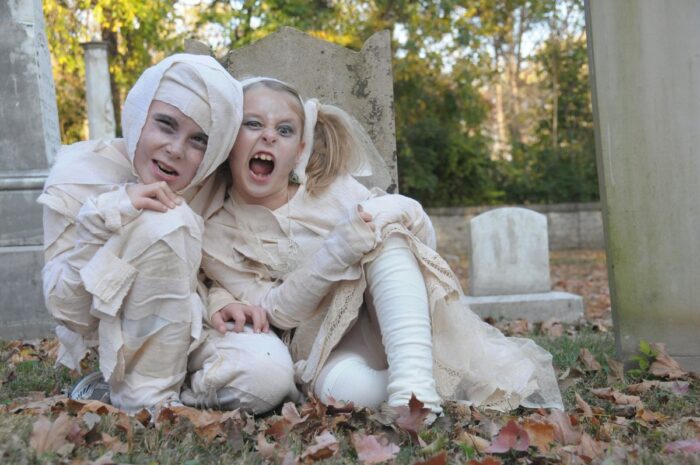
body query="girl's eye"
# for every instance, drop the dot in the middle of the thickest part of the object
(286, 130)
(252, 124)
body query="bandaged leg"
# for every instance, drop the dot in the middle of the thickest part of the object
(251, 371)
(154, 325)
(400, 301)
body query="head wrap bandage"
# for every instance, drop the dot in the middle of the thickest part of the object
(182, 88)
(203, 90)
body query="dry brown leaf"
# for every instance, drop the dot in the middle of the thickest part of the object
(477, 442)
(114, 444)
(541, 434)
(412, 417)
(325, 445)
(439, 459)
(590, 448)
(485, 461)
(373, 449)
(665, 366)
(647, 416)
(511, 437)
(50, 436)
(617, 368)
(268, 450)
(589, 361)
(583, 406)
(641, 388)
(290, 413)
(41, 406)
(617, 397)
(564, 431)
(552, 328)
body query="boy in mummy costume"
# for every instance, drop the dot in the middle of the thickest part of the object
(123, 226)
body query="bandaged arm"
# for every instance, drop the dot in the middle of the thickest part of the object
(295, 298)
(68, 295)
(395, 208)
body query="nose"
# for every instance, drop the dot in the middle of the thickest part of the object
(176, 148)
(269, 135)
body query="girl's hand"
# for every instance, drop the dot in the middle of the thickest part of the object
(157, 196)
(366, 217)
(240, 314)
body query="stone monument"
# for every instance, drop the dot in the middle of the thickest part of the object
(645, 75)
(359, 82)
(29, 139)
(98, 91)
(509, 268)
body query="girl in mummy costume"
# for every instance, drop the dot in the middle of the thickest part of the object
(123, 225)
(373, 313)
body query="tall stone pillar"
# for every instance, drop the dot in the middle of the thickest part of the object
(29, 139)
(645, 75)
(98, 91)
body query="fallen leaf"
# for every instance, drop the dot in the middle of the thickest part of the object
(325, 445)
(616, 367)
(114, 444)
(552, 328)
(52, 437)
(291, 414)
(641, 388)
(677, 388)
(590, 448)
(485, 461)
(40, 406)
(512, 436)
(479, 444)
(589, 361)
(564, 431)
(664, 366)
(617, 397)
(373, 449)
(648, 416)
(686, 445)
(411, 418)
(541, 434)
(583, 406)
(268, 450)
(439, 459)
(338, 406)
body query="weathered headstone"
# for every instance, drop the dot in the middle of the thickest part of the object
(29, 139)
(359, 82)
(509, 268)
(645, 70)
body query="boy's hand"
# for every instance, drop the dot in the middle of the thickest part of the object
(157, 196)
(240, 314)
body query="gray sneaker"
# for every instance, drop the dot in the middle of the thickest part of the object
(224, 399)
(91, 387)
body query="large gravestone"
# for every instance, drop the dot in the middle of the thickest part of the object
(509, 269)
(645, 74)
(359, 82)
(29, 139)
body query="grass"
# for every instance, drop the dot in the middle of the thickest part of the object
(631, 435)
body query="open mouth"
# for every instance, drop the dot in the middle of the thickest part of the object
(262, 164)
(165, 169)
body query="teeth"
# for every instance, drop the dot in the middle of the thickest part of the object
(263, 157)
(165, 170)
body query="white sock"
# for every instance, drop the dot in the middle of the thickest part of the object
(401, 303)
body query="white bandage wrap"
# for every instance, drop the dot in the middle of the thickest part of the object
(401, 304)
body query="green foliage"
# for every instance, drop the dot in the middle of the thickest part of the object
(646, 356)
(449, 58)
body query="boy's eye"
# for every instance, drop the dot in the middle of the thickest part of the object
(165, 122)
(201, 140)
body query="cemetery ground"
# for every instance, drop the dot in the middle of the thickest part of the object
(648, 415)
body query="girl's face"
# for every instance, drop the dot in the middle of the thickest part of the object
(267, 148)
(170, 148)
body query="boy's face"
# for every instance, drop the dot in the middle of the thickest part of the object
(170, 148)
